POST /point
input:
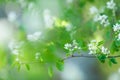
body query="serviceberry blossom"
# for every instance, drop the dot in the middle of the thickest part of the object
(105, 50)
(118, 36)
(69, 27)
(15, 46)
(92, 46)
(116, 27)
(34, 37)
(103, 19)
(96, 18)
(17, 59)
(111, 4)
(48, 18)
(37, 55)
(12, 16)
(71, 47)
(93, 10)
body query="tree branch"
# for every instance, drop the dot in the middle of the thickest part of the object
(88, 56)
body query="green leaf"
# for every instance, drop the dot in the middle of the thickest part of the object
(41, 59)
(60, 65)
(113, 60)
(68, 54)
(27, 66)
(100, 43)
(117, 43)
(114, 48)
(50, 71)
(102, 58)
(110, 63)
(18, 66)
(14, 64)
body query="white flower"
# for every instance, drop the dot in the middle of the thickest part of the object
(17, 59)
(67, 46)
(104, 50)
(93, 10)
(72, 47)
(34, 37)
(111, 4)
(96, 18)
(68, 27)
(92, 46)
(116, 27)
(48, 18)
(12, 16)
(93, 41)
(103, 19)
(118, 36)
(37, 34)
(15, 52)
(37, 55)
(106, 23)
(15, 46)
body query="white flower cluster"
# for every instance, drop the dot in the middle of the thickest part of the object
(69, 27)
(15, 46)
(105, 50)
(72, 47)
(34, 37)
(48, 18)
(92, 46)
(103, 19)
(118, 36)
(93, 10)
(37, 55)
(116, 28)
(111, 4)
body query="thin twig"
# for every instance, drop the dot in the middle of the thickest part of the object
(73, 56)
(32, 62)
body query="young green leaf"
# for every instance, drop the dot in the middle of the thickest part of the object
(100, 43)
(102, 58)
(110, 63)
(113, 60)
(27, 66)
(114, 48)
(18, 66)
(60, 65)
(41, 59)
(50, 71)
(117, 43)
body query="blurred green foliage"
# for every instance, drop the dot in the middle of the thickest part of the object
(51, 45)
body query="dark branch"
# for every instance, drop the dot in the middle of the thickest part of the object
(88, 56)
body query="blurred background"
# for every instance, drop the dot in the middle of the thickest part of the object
(53, 23)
